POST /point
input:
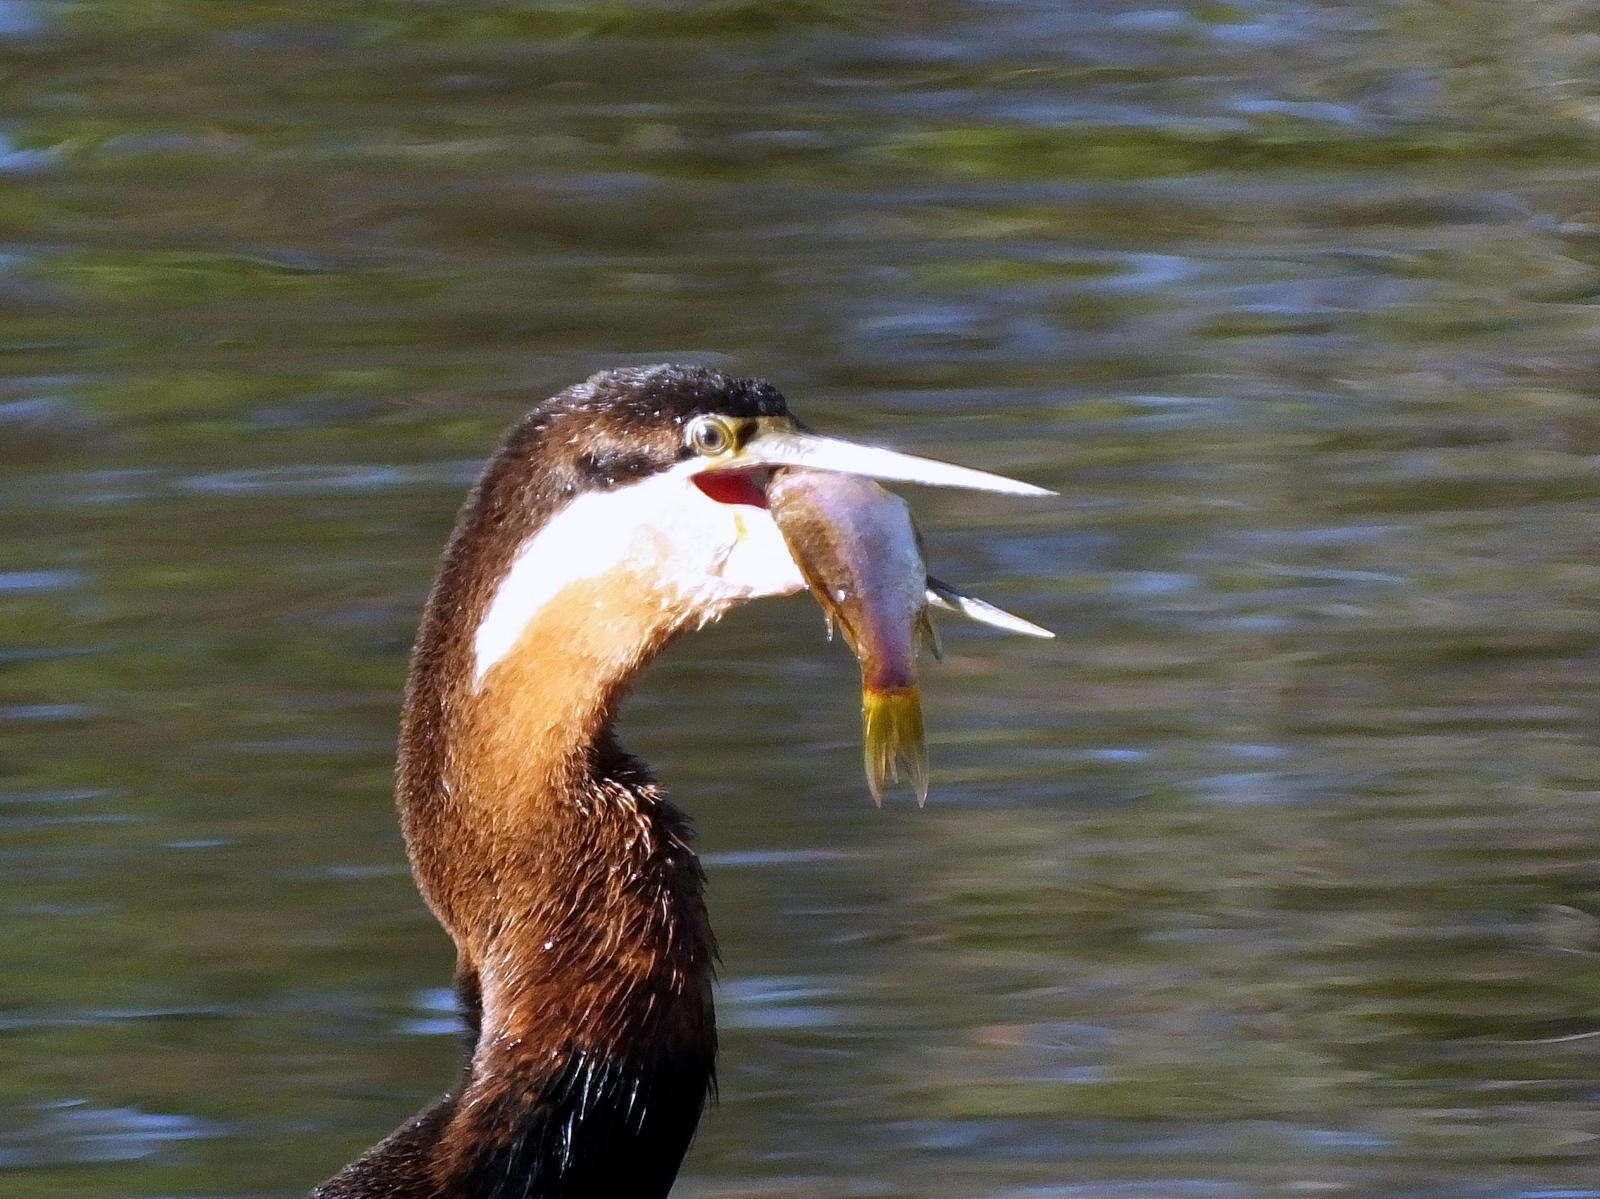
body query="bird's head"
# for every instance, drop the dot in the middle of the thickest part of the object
(651, 483)
(639, 498)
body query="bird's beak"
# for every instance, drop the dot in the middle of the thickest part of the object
(942, 595)
(858, 550)
(776, 442)
(772, 442)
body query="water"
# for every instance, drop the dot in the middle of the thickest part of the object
(1274, 876)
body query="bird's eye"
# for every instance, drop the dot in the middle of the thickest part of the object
(709, 436)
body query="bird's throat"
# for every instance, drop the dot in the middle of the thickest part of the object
(574, 898)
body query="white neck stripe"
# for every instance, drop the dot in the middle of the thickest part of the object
(709, 554)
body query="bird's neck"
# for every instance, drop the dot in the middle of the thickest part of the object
(568, 885)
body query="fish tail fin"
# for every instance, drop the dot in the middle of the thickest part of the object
(892, 721)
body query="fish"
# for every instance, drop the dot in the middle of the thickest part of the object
(860, 554)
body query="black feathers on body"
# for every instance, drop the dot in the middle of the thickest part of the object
(592, 1129)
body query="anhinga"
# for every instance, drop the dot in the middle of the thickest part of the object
(618, 514)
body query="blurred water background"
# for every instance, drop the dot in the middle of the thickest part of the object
(1276, 875)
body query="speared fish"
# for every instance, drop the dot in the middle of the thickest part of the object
(862, 557)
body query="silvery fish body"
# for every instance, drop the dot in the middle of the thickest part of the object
(860, 554)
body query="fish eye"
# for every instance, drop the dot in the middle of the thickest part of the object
(709, 436)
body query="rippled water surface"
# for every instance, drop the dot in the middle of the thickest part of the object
(1276, 875)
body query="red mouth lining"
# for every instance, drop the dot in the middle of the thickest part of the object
(747, 487)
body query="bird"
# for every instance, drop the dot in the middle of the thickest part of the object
(616, 516)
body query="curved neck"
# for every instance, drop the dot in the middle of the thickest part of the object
(574, 899)
(515, 799)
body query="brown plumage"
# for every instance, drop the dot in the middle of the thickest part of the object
(616, 516)
(549, 855)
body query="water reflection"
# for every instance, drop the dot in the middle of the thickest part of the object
(1273, 876)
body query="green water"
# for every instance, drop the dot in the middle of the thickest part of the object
(1276, 876)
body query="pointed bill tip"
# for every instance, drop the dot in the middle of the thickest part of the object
(1018, 487)
(942, 595)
